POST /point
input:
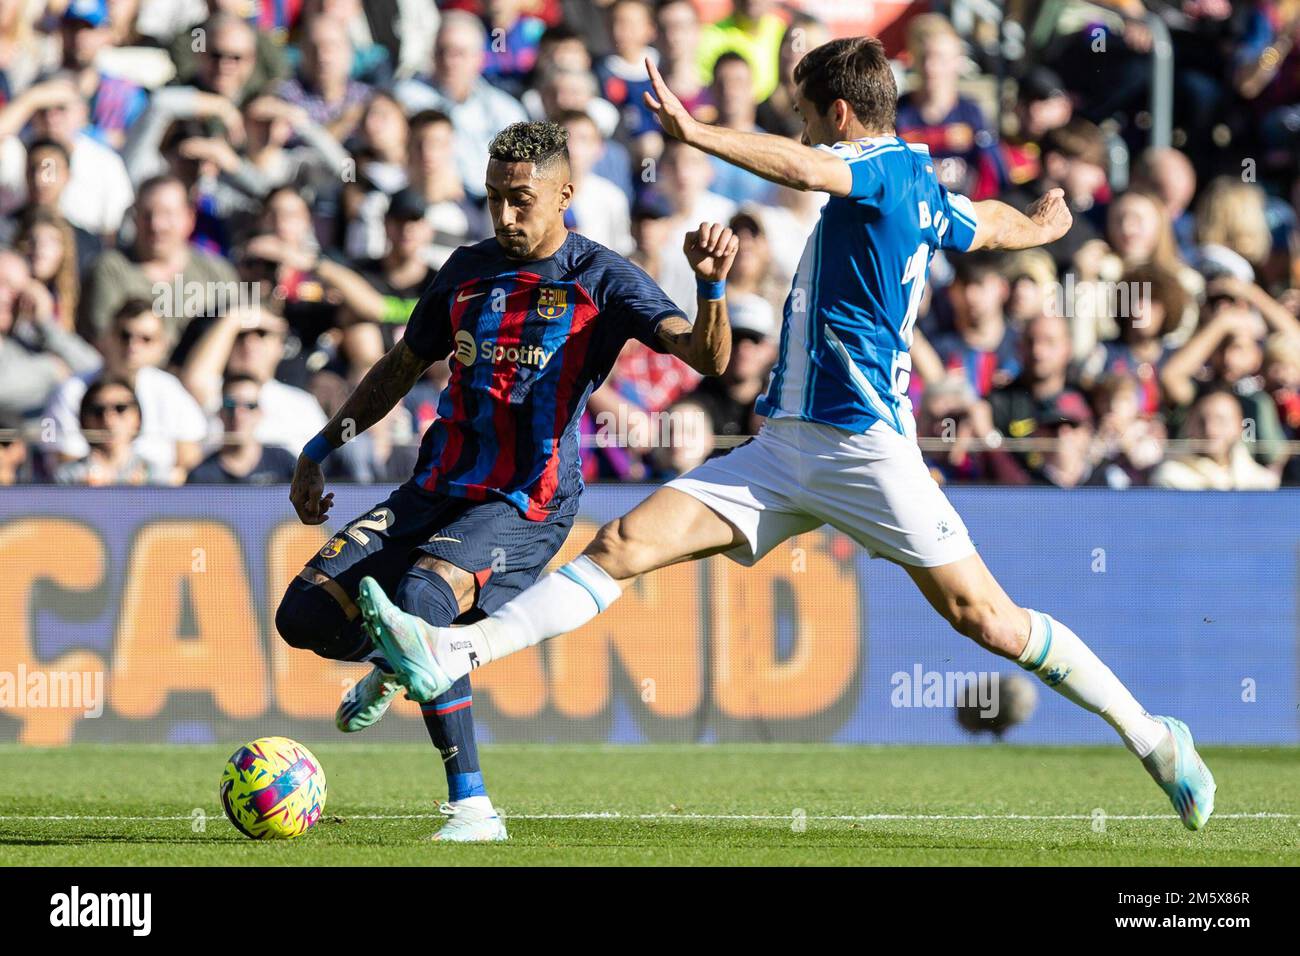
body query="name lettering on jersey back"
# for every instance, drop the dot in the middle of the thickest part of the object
(938, 219)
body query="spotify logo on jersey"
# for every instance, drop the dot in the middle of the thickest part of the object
(465, 347)
(467, 350)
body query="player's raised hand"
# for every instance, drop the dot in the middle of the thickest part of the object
(1052, 214)
(673, 116)
(710, 250)
(305, 492)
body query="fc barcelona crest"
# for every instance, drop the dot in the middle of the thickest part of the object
(332, 547)
(551, 302)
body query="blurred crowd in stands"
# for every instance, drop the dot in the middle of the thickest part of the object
(215, 215)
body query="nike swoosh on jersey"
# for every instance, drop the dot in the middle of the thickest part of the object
(462, 297)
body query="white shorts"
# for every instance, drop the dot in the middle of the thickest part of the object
(798, 475)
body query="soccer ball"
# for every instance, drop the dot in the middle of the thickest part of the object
(273, 789)
(1017, 696)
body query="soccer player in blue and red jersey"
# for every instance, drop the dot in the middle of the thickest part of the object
(533, 319)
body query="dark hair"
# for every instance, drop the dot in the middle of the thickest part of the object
(541, 144)
(731, 56)
(977, 266)
(387, 97)
(98, 387)
(1211, 391)
(288, 188)
(428, 118)
(1111, 385)
(560, 33)
(853, 69)
(1166, 290)
(1077, 139)
(564, 117)
(158, 182)
(49, 144)
(1216, 389)
(131, 308)
(234, 378)
(178, 131)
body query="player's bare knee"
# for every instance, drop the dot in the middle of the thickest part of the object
(617, 550)
(986, 625)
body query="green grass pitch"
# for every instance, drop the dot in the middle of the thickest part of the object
(646, 805)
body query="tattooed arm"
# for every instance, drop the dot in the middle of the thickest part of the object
(376, 394)
(704, 346)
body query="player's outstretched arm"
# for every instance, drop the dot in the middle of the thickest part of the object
(374, 397)
(706, 345)
(999, 226)
(775, 158)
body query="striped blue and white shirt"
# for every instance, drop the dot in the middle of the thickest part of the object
(848, 319)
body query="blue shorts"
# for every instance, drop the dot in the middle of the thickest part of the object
(502, 549)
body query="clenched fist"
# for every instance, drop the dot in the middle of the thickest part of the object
(1051, 214)
(710, 250)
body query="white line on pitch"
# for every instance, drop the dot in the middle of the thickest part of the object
(698, 817)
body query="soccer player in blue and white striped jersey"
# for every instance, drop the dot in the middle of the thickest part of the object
(838, 446)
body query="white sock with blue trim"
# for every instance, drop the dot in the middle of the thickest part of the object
(558, 603)
(1064, 663)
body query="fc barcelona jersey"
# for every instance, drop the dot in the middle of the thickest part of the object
(528, 341)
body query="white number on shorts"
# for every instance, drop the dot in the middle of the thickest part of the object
(375, 521)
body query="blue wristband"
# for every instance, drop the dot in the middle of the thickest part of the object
(318, 449)
(708, 289)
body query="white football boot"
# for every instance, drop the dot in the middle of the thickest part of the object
(472, 820)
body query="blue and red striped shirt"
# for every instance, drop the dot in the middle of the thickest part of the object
(963, 144)
(529, 342)
(984, 370)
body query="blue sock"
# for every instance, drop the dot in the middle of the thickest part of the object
(449, 718)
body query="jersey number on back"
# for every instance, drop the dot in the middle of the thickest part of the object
(914, 278)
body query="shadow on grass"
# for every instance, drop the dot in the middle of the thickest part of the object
(111, 838)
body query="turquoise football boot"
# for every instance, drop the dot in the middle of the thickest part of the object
(367, 702)
(400, 637)
(1182, 775)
